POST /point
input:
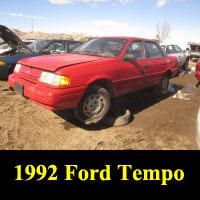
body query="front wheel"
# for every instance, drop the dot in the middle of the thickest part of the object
(94, 105)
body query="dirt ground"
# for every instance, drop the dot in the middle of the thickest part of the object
(167, 123)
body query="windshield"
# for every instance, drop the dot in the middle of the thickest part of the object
(38, 45)
(104, 47)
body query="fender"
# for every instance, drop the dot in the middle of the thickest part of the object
(103, 80)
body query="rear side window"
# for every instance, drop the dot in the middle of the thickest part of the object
(136, 48)
(170, 49)
(153, 50)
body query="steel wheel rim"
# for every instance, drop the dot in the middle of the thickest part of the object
(93, 105)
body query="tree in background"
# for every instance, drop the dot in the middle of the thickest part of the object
(163, 32)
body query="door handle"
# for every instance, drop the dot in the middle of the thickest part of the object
(164, 63)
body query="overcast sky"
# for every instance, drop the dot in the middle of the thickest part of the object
(105, 17)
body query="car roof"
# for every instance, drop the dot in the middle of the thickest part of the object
(130, 38)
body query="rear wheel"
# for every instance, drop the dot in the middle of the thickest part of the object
(94, 105)
(162, 88)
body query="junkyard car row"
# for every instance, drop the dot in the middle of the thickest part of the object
(14, 49)
(87, 77)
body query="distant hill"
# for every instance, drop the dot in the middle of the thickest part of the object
(41, 35)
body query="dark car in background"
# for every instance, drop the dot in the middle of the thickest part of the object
(17, 49)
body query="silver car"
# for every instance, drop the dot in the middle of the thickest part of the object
(182, 57)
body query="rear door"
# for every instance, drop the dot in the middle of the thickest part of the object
(132, 74)
(157, 63)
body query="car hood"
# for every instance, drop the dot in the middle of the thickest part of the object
(10, 38)
(55, 62)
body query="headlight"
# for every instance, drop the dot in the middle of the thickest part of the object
(2, 63)
(54, 79)
(17, 68)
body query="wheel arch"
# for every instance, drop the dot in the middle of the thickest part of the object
(103, 82)
(169, 73)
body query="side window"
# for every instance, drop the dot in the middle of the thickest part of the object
(170, 49)
(56, 47)
(178, 49)
(73, 45)
(153, 50)
(136, 48)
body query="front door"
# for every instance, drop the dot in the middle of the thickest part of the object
(132, 73)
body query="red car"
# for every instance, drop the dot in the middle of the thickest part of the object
(90, 76)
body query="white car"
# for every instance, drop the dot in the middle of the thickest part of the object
(182, 57)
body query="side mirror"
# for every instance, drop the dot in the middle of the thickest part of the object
(46, 51)
(129, 57)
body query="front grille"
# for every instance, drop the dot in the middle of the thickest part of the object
(30, 74)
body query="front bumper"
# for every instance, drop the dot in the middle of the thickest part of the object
(49, 98)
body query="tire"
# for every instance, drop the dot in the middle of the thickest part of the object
(162, 88)
(94, 105)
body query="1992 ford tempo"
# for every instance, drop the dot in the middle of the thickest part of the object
(90, 76)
